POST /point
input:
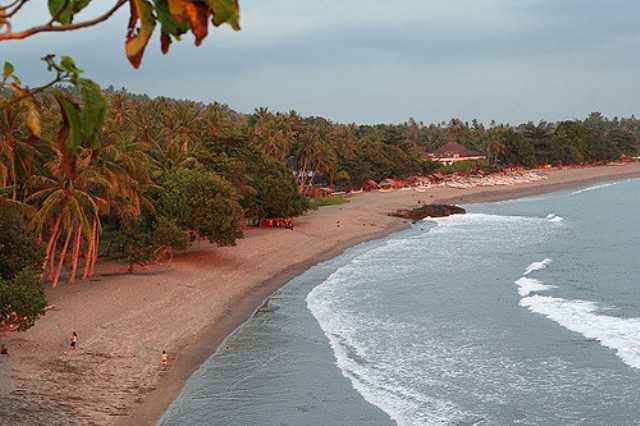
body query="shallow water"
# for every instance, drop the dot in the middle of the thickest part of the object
(521, 312)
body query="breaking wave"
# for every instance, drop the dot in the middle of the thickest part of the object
(593, 188)
(584, 317)
(526, 286)
(554, 218)
(354, 337)
(368, 348)
(537, 266)
(619, 334)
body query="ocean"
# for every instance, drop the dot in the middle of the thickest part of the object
(519, 312)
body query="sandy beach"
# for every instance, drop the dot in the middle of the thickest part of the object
(190, 306)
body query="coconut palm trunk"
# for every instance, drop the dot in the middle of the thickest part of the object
(63, 255)
(51, 244)
(88, 258)
(75, 254)
(96, 249)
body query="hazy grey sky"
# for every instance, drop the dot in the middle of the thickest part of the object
(381, 61)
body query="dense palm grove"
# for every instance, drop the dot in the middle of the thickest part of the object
(167, 172)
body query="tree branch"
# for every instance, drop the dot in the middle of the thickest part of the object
(18, 5)
(30, 93)
(58, 28)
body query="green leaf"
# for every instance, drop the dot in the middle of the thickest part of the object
(93, 112)
(71, 128)
(68, 64)
(61, 11)
(8, 69)
(138, 37)
(225, 11)
(78, 5)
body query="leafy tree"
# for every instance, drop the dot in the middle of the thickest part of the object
(598, 148)
(623, 140)
(131, 241)
(19, 248)
(202, 202)
(569, 143)
(539, 136)
(343, 179)
(22, 297)
(168, 235)
(144, 239)
(517, 149)
(276, 193)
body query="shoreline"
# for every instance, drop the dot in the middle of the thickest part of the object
(249, 307)
(215, 335)
(236, 281)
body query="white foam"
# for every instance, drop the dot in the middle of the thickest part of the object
(537, 266)
(362, 340)
(477, 218)
(402, 404)
(592, 188)
(526, 286)
(619, 334)
(554, 218)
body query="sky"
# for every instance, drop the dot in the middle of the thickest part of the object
(371, 61)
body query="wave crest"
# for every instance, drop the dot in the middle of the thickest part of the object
(537, 266)
(592, 188)
(552, 217)
(619, 334)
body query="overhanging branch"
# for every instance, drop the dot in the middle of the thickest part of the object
(50, 27)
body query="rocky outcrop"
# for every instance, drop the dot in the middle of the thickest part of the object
(428, 210)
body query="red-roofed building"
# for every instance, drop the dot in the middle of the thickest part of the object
(453, 152)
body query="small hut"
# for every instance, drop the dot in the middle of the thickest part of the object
(369, 185)
(387, 184)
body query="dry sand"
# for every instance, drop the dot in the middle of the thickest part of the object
(190, 306)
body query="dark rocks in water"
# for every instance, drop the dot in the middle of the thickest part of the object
(428, 210)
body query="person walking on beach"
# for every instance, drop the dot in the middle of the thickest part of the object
(74, 340)
(164, 358)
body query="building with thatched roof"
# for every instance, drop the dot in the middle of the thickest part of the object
(453, 152)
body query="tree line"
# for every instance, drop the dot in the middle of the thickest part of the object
(136, 178)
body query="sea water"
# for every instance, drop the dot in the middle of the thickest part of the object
(519, 312)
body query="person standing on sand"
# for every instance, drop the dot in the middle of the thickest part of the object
(74, 340)
(164, 358)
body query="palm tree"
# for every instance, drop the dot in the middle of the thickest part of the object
(275, 134)
(17, 150)
(70, 201)
(495, 145)
(182, 123)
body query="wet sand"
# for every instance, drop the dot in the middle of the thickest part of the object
(190, 306)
